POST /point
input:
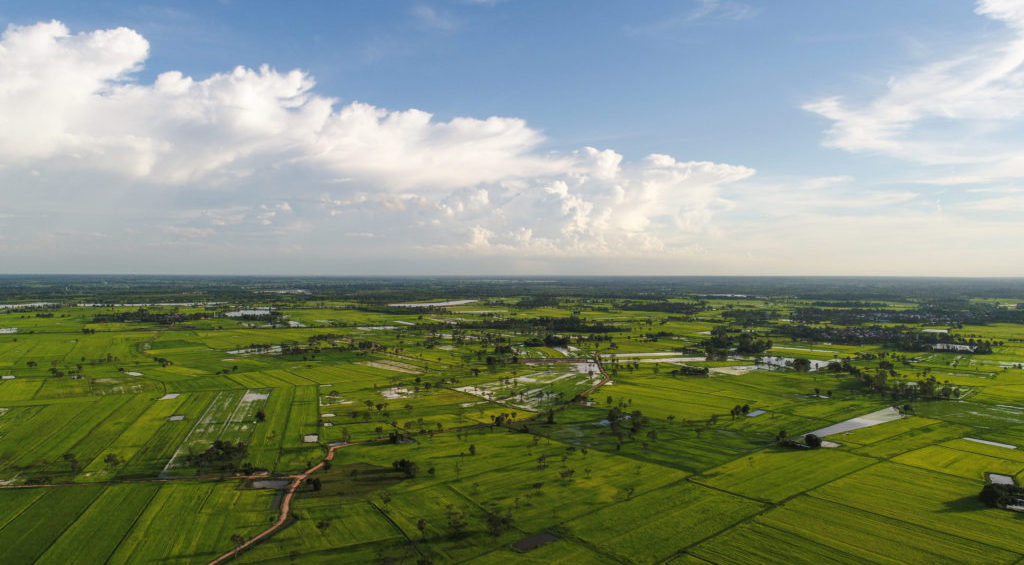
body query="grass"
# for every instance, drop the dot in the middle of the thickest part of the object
(930, 499)
(185, 523)
(873, 538)
(775, 474)
(94, 536)
(656, 525)
(692, 485)
(24, 539)
(958, 462)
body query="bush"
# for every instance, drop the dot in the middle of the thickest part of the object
(999, 495)
(406, 467)
(812, 441)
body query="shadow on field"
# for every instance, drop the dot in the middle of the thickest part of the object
(964, 504)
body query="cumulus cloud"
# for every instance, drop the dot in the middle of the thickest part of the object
(250, 154)
(69, 100)
(255, 170)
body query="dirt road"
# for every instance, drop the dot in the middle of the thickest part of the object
(286, 504)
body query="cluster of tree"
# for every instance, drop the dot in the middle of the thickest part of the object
(723, 341)
(399, 310)
(571, 324)
(396, 437)
(848, 304)
(800, 364)
(883, 379)
(738, 410)
(406, 467)
(537, 302)
(616, 419)
(221, 456)
(749, 317)
(811, 441)
(550, 340)
(456, 521)
(894, 337)
(498, 523)
(999, 495)
(953, 313)
(689, 371)
(663, 306)
(144, 315)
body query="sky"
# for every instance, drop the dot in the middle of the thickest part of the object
(513, 137)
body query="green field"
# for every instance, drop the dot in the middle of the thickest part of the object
(109, 428)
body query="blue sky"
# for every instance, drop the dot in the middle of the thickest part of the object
(513, 137)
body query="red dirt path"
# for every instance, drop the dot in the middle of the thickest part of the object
(286, 504)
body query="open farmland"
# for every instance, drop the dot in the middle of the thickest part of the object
(562, 422)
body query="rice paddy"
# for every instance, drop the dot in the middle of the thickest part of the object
(621, 442)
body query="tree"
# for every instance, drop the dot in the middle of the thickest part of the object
(812, 441)
(322, 525)
(237, 539)
(222, 455)
(1001, 495)
(472, 449)
(421, 525)
(72, 461)
(261, 416)
(112, 460)
(498, 523)
(406, 467)
(456, 521)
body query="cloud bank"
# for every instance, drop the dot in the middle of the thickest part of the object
(256, 171)
(259, 149)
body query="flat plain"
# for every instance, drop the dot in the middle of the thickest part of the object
(562, 422)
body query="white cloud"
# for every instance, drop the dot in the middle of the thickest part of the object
(69, 101)
(819, 183)
(188, 231)
(701, 12)
(722, 10)
(1009, 11)
(240, 156)
(947, 112)
(430, 18)
(255, 167)
(1003, 204)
